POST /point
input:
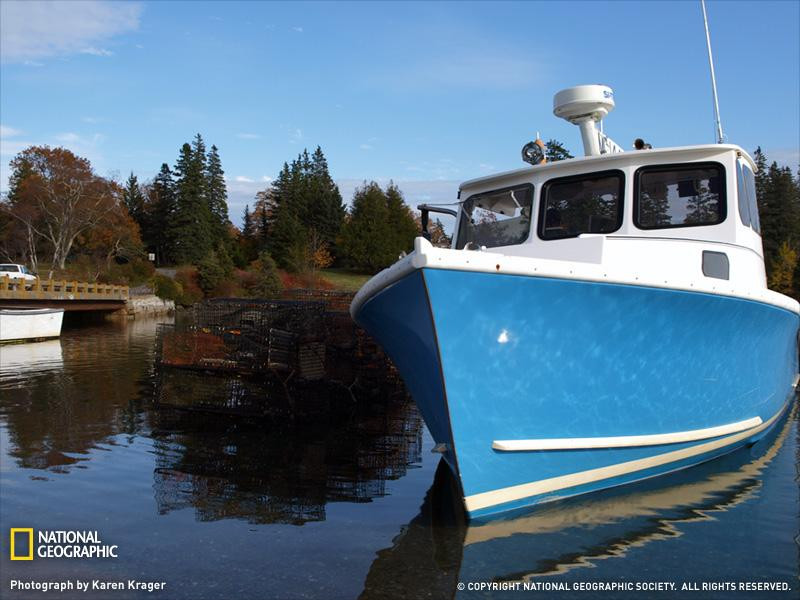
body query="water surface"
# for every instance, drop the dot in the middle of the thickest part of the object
(345, 501)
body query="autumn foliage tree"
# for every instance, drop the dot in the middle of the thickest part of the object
(58, 202)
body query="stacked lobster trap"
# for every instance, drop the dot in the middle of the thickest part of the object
(257, 357)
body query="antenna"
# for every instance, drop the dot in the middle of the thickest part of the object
(717, 120)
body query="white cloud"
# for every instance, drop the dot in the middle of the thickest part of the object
(296, 136)
(68, 138)
(243, 179)
(96, 51)
(365, 147)
(248, 136)
(35, 29)
(6, 131)
(92, 120)
(87, 146)
(10, 147)
(266, 178)
(297, 29)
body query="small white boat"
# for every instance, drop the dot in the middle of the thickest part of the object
(28, 325)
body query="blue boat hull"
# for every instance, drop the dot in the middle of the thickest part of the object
(492, 357)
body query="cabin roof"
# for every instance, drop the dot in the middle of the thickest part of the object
(610, 159)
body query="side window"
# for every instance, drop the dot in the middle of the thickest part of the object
(679, 196)
(591, 203)
(496, 218)
(750, 185)
(741, 192)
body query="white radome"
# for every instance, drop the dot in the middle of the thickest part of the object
(582, 101)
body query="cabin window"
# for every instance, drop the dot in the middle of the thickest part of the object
(496, 218)
(584, 204)
(744, 205)
(679, 196)
(752, 199)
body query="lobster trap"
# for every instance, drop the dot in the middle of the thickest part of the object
(258, 357)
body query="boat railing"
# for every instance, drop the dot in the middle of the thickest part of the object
(40, 289)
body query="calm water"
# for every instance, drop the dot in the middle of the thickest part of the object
(347, 504)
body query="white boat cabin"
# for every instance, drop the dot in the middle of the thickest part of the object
(685, 213)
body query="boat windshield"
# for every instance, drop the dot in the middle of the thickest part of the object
(496, 218)
(9, 268)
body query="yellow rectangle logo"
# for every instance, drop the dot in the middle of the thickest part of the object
(14, 532)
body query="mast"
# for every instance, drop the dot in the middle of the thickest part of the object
(717, 120)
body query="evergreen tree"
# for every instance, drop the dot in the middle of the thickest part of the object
(379, 228)
(266, 283)
(163, 204)
(778, 196)
(247, 223)
(134, 201)
(365, 232)
(302, 199)
(402, 227)
(217, 194)
(192, 222)
(555, 150)
(779, 210)
(326, 201)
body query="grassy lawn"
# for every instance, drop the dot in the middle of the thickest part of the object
(344, 279)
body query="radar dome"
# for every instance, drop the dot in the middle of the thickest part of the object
(584, 101)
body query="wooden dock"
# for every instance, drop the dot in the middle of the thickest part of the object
(69, 295)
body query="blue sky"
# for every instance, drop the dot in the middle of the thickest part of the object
(427, 94)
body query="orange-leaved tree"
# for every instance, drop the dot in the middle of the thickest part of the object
(56, 197)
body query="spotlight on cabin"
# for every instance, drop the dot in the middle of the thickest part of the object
(640, 144)
(533, 153)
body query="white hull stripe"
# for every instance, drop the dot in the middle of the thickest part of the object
(626, 441)
(544, 486)
(796, 380)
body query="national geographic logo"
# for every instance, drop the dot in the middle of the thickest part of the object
(57, 544)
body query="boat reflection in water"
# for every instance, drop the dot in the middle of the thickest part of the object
(284, 472)
(34, 357)
(438, 549)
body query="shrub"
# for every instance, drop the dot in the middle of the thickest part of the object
(188, 280)
(264, 281)
(210, 272)
(166, 288)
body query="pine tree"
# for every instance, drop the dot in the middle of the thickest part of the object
(328, 206)
(380, 227)
(302, 199)
(555, 150)
(217, 194)
(162, 208)
(402, 227)
(779, 210)
(247, 223)
(134, 201)
(365, 232)
(192, 222)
